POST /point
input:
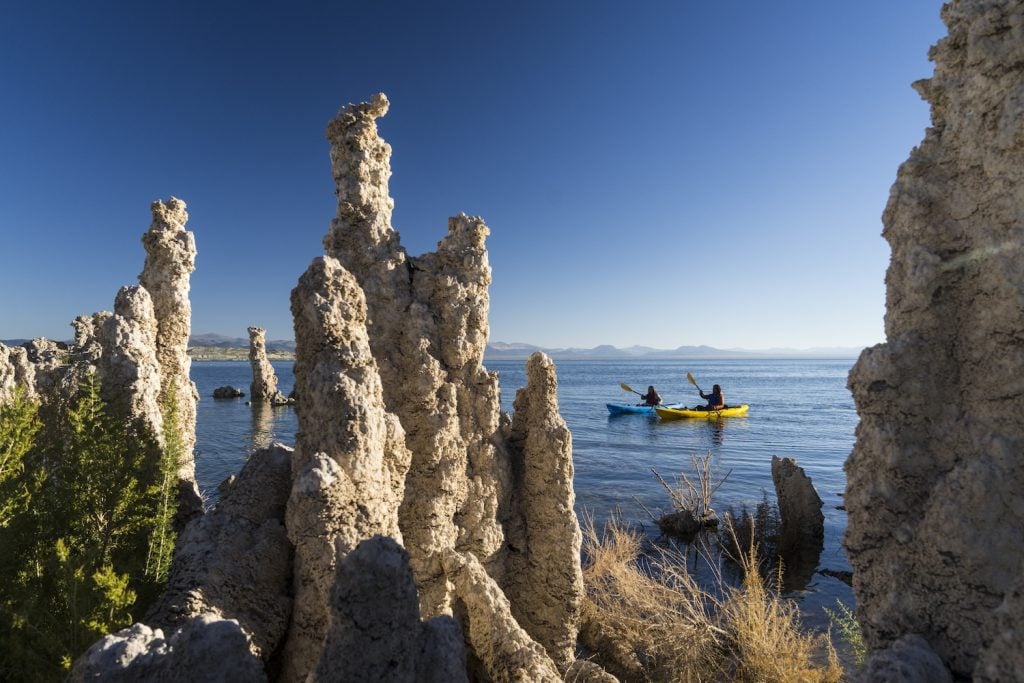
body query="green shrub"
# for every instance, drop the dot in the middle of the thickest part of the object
(88, 542)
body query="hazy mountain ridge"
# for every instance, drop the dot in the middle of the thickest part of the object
(520, 351)
(212, 346)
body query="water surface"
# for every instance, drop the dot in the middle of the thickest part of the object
(798, 408)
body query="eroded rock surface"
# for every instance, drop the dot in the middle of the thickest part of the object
(428, 328)
(170, 261)
(505, 649)
(235, 562)
(545, 578)
(935, 490)
(203, 648)
(350, 461)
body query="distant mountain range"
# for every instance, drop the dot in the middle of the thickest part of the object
(205, 346)
(220, 341)
(519, 351)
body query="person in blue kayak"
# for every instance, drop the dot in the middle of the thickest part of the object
(651, 398)
(716, 399)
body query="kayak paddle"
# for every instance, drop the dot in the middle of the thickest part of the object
(694, 382)
(626, 387)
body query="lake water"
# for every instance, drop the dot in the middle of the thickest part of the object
(798, 408)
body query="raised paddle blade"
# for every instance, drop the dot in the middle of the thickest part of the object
(693, 381)
(626, 387)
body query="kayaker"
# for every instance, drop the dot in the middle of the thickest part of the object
(651, 398)
(716, 399)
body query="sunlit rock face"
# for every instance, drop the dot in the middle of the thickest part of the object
(127, 362)
(16, 371)
(470, 483)
(935, 482)
(544, 578)
(264, 380)
(427, 326)
(170, 260)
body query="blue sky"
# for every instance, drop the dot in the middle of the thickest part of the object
(654, 173)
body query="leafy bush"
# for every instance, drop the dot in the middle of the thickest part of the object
(87, 542)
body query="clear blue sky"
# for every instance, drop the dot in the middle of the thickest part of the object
(655, 173)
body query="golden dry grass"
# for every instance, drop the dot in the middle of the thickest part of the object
(646, 618)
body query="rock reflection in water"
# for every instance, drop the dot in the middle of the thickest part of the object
(261, 433)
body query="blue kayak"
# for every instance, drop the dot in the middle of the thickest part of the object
(623, 408)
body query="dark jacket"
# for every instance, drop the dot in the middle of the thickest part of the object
(716, 399)
(651, 398)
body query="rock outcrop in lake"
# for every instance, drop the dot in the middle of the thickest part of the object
(264, 380)
(802, 524)
(935, 488)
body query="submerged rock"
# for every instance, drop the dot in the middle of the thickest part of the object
(228, 392)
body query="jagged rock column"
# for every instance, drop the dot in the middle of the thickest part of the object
(545, 578)
(428, 328)
(350, 459)
(264, 381)
(935, 489)
(170, 260)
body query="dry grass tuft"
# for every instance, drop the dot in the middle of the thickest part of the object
(646, 618)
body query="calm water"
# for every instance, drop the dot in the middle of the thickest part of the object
(798, 408)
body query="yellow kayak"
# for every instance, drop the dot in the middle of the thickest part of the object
(683, 413)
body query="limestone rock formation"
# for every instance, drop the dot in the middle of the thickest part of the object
(909, 660)
(235, 562)
(545, 580)
(428, 328)
(420, 518)
(935, 480)
(127, 365)
(204, 648)
(15, 371)
(228, 391)
(802, 527)
(170, 260)
(264, 380)
(350, 460)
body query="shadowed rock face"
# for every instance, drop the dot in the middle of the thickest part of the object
(935, 482)
(235, 562)
(802, 528)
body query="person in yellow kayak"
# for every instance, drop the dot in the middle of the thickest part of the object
(716, 399)
(651, 398)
